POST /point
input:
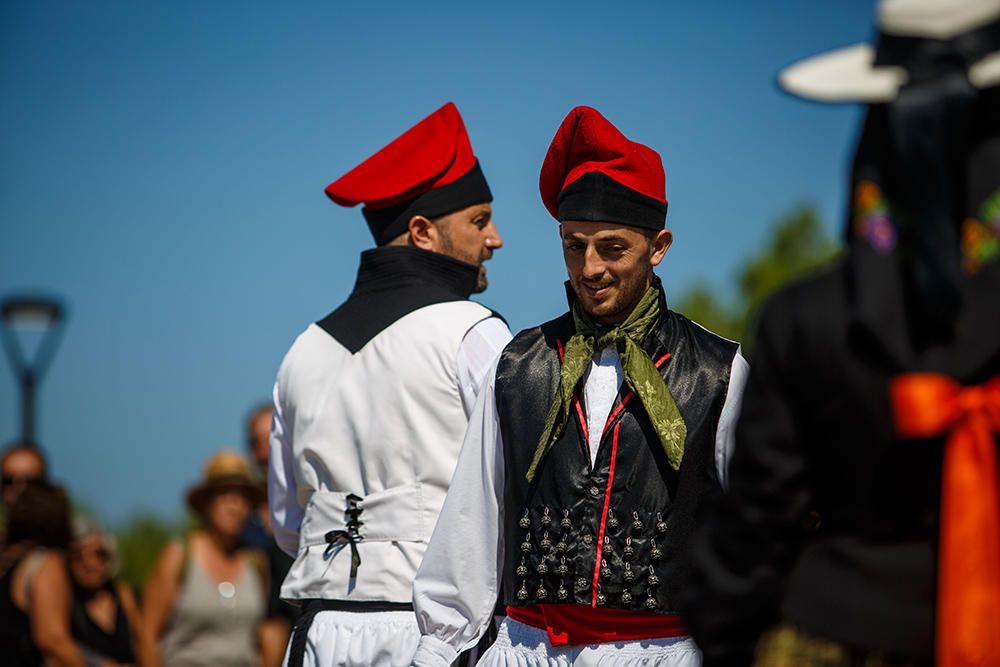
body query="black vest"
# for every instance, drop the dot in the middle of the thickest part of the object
(608, 536)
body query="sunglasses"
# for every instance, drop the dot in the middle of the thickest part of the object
(9, 480)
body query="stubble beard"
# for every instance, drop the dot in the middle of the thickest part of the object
(621, 306)
(447, 247)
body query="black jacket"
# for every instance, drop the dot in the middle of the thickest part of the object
(816, 435)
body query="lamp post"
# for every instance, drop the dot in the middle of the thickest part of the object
(23, 320)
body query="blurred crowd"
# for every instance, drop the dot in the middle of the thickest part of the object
(212, 598)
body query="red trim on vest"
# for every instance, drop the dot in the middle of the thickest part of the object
(604, 516)
(576, 402)
(628, 396)
(576, 625)
(607, 489)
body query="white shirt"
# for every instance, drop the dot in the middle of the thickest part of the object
(385, 423)
(456, 587)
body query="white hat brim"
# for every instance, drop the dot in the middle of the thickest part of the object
(849, 75)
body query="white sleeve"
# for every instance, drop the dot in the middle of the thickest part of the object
(456, 587)
(482, 344)
(725, 434)
(282, 499)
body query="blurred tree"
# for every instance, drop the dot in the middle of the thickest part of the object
(796, 246)
(140, 541)
(700, 304)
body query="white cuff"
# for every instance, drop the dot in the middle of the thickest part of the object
(432, 652)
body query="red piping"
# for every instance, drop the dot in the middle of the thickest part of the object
(628, 396)
(604, 516)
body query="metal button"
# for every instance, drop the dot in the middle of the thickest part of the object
(588, 538)
(594, 491)
(581, 583)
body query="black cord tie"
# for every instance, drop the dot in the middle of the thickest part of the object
(350, 536)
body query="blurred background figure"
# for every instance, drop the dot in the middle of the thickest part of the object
(104, 617)
(35, 590)
(281, 616)
(21, 463)
(205, 598)
(873, 401)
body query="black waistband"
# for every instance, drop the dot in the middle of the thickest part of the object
(360, 606)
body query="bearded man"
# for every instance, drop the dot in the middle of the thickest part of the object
(592, 447)
(372, 401)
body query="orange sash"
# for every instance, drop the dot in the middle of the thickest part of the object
(927, 405)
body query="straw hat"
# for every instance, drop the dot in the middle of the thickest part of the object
(225, 471)
(914, 36)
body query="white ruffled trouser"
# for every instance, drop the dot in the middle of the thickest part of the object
(520, 645)
(353, 639)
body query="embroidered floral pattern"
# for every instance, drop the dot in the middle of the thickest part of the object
(872, 220)
(981, 238)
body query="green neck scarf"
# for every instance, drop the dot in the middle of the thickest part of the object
(641, 376)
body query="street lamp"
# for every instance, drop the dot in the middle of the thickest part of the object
(30, 322)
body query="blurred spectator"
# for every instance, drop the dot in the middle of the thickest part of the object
(259, 435)
(281, 616)
(257, 531)
(104, 615)
(34, 587)
(205, 597)
(21, 463)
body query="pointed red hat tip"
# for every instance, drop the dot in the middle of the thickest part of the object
(433, 153)
(587, 142)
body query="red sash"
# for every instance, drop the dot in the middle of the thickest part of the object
(576, 624)
(968, 608)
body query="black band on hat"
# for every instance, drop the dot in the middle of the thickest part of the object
(470, 188)
(595, 197)
(925, 57)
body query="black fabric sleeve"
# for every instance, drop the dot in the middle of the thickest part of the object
(748, 539)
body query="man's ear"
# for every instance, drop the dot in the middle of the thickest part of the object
(423, 233)
(661, 242)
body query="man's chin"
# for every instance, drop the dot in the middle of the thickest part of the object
(482, 282)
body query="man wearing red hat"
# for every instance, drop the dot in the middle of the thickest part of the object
(593, 446)
(372, 401)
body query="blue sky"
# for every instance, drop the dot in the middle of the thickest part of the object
(162, 167)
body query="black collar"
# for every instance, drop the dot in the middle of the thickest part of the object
(392, 282)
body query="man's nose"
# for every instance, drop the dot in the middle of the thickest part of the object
(493, 239)
(593, 265)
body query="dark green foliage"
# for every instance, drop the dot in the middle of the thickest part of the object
(796, 246)
(140, 541)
